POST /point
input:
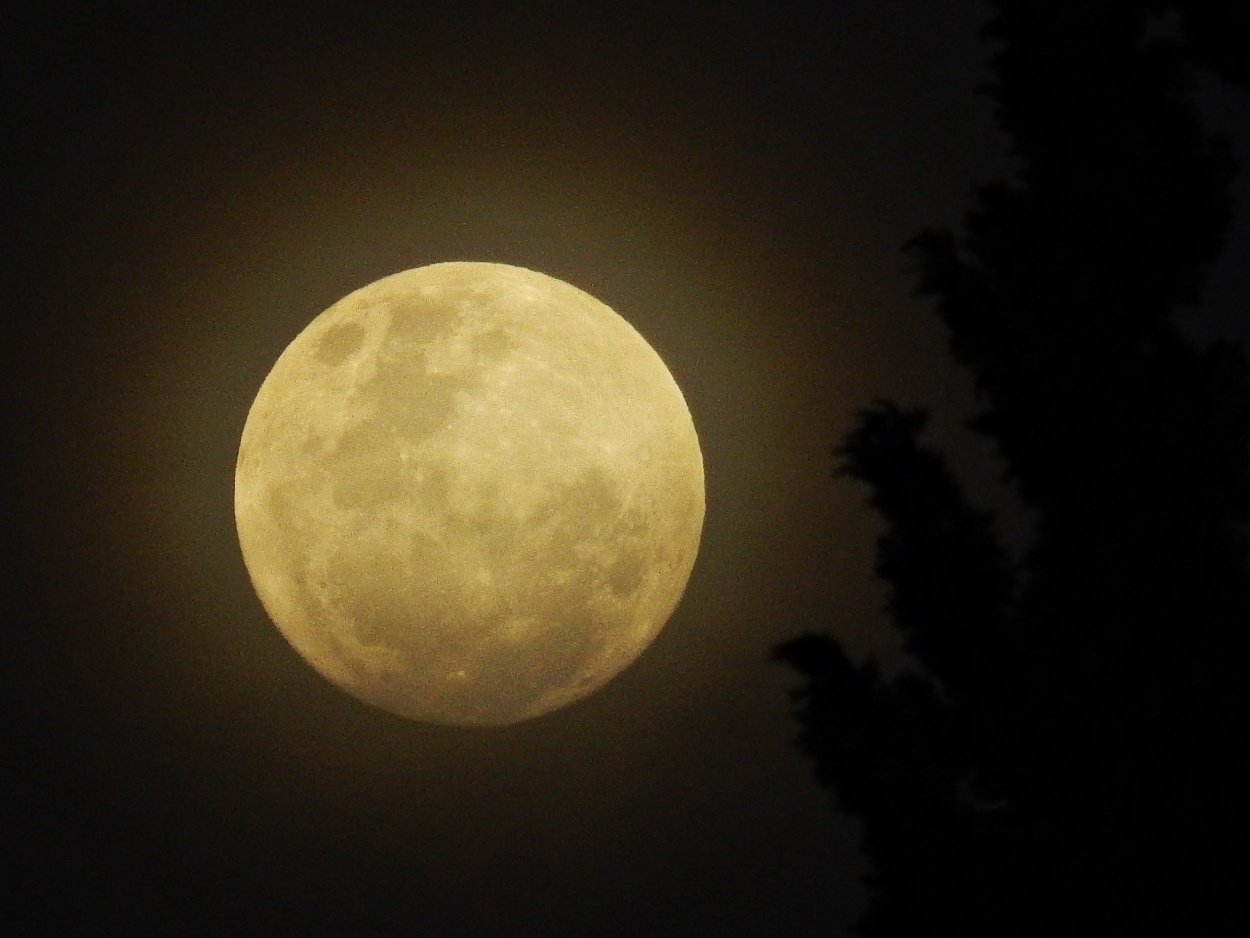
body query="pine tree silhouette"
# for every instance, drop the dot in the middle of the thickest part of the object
(1065, 757)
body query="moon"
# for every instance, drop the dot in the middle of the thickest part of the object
(469, 493)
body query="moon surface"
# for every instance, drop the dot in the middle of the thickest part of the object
(469, 493)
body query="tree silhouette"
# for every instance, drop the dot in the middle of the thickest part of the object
(1064, 757)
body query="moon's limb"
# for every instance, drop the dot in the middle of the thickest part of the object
(469, 493)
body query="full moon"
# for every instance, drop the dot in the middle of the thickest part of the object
(469, 493)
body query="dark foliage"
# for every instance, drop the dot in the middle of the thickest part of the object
(1065, 757)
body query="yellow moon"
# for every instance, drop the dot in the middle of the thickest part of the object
(469, 493)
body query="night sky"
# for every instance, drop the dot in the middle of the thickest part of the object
(187, 185)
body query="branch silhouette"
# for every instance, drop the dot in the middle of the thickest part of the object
(1063, 758)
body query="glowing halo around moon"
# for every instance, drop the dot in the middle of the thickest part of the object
(469, 493)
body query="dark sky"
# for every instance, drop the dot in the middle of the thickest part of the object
(189, 184)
